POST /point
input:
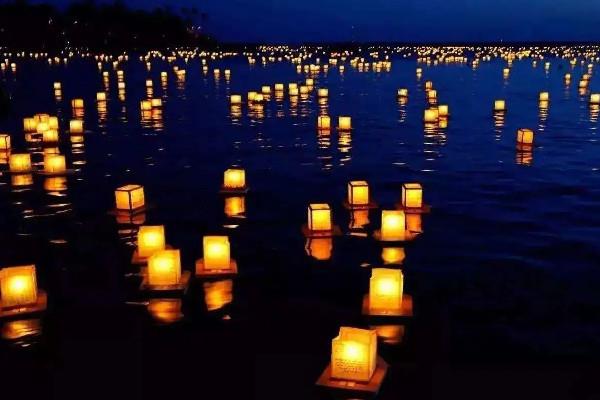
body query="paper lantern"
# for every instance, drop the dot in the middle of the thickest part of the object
(304, 90)
(4, 142)
(18, 286)
(385, 291)
(319, 217)
(358, 193)
(50, 136)
(393, 225)
(323, 92)
(432, 95)
(129, 197)
(77, 103)
(402, 92)
(266, 90)
(430, 115)
(155, 103)
(393, 255)
(443, 111)
(164, 268)
(235, 206)
(235, 99)
(251, 96)
(29, 124)
(354, 354)
(412, 195)
(19, 162)
(53, 123)
(146, 105)
(595, 98)
(344, 123)
(234, 178)
(293, 91)
(310, 82)
(544, 96)
(148, 83)
(151, 238)
(216, 253)
(259, 98)
(279, 87)
(525, 136)
(218, 294)
(101, 96)
(292, 86)
(506, 72)
(76, 126)
(54, 164)
(324, 122)
(57, 86)
(499, 105)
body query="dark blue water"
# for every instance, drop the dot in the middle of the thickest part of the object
(505, 269)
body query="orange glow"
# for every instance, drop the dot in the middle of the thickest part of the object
(217, 253)
(164, 268)
(344, 123)
(234, 178)
(412, 195)
(319, 217)
(525, 136)
(54, 164)
(129, 197)
(385, 290)
(358, 193)
(393, 225)
(150, 240)
(354, 354)
(319, 248)
(18, 286)
(19, 162)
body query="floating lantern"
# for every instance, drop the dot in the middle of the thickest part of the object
(146, 105)
(393, 225)
(595, 98)
(354, 354)
(19, 162)
(525, 137)
(53, 123)
(310, 82)
(279, 87)
(234, 179)
(235, 206)
(235, 99)
(76, 126)
(217, 253)
(412, 195)
(164, 268)
(344, 123)
(251, 96)
(292, 86)
(443, 111)
(42, 127)
(506, 72)
(77, 103)
(259, 98)
(385, 291)
(165, 311)
(129, 197)
(218, 294)
(393, 255)
(4, 142)
(150, 240)
(304, 89)
(324, 122)
(54, 164)
(101, 96)
(358, 194)
(148, 83)
(428, 85)
(319, 217)
(431, 115)
(544, 96)
(18, 286)
(50, 136)
(293, 91)
(499, 105)
(432, 95)
(323, 92)
(156, 103)
(402, 92)
(29, 124)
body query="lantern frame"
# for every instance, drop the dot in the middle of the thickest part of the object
(349, 202)
(310, 233)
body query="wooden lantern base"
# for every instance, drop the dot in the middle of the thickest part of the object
(229, 191)
(408, 236)
(355, 389)
(216, 273)
(369, 206)
(424, 209)
(335, 231)
(35, 308)
(405, 311)
(166, 290)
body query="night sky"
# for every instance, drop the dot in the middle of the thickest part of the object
(286, 21)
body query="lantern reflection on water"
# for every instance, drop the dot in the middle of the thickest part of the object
(359, 218)
(218, 294)
(235, 206)
(393, 255)
(54, 164)
(76, 126)
(324, 122)
(319, 248)
(354, 354)
(319, 218)
(165, 311)
(358, 194)
(4, 142)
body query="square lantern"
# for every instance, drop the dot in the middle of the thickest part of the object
(324, 122)
(319, 217)
(18, 286)
(499, 105)
(164, 268)
(101, 96)
(402, 92)
(412, 195)
(344, 123)
(19, 162)
(50, 136)
(150, 239)
(77, 103)
(155, 103)
(354, 354)
(393, 225)
(292, 86)
(4, 142)
(525, 136)
(323, 92)
(544, 96)
(29, 125)
(234, 179)
(236, 99)
(54, 164)
(217, 253)
(251, 96)
(129, 197)
(430, 115)
(358, 193)
(385, 291)
(266, 90)
(235, 206)
(76, 126)
(57, 86)
(595, 98)
(146, 105)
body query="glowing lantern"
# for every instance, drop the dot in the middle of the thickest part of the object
(293, 91)
(216, 253)
(323, 92)
(77, 103)
(150, 240)
(385, 291)
(146, 105)
(358, 193)
(304, 90)
(319, 217)
(393, 225)
(18, 286)
(236, 99)
(54, 164)
(354, 354)
(430, 115)
(4, 142)
(344, 123)
(324, 122)
(29, 124)
(235, 206)
(428, 85)
(266, 89)
(544, 96)
(259, 98)
(76, 126)
(234, 179)
(50, 136)
(129, 197)
(292, 86)
(525, 137)
(101, 96)
(279, 87)
(499, 105)
(310, 82)
(148, 83)
(156, 103)
(595, 98)
(393, 255)
(53, 123)
(19, 162)
(251, 96)
(164, 268)
(443, 111)
(432, 95)
(412, 195)
(57, 86)
(402, 92)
